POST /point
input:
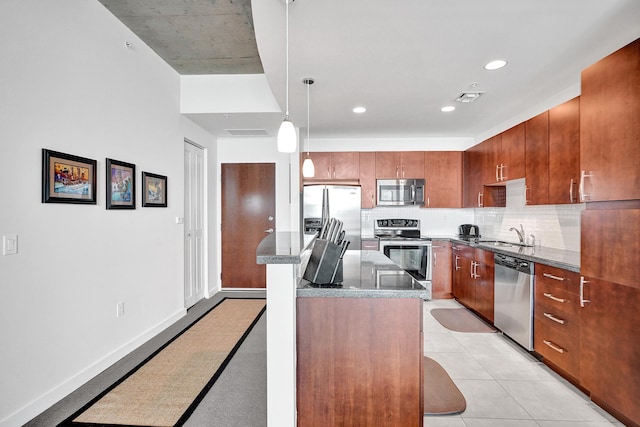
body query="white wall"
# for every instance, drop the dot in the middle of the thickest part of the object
(69, 84)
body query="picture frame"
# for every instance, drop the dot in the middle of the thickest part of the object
(154, 190)
(121, 185)
(67, 178)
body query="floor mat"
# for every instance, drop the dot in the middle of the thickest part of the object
(441, 395)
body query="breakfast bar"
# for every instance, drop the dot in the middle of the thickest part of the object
(355, 353)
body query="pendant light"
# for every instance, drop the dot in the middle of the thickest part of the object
(308, 169)
(287, 138)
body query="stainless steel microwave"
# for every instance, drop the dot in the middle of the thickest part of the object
(400, 192)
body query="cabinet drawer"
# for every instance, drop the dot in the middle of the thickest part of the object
(557, 277)
(557, 300)
(564, 322)
(559, 348)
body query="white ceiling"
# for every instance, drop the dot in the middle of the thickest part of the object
(403, 60)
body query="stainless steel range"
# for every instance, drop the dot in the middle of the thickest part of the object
(400, 241)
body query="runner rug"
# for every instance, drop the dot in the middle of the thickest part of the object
(441, 395)
(165, 389)
(460, 320)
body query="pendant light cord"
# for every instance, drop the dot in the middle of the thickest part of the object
(287, 58)
(308, 122)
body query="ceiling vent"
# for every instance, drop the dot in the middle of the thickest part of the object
(247, 132)
(468, 96)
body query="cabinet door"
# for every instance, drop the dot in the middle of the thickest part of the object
(387, 165)
(472, 177)
(610, 244)
(368, 179)
(490, 155)
(537, 159)
(345, 165)
(321, 165)
(443, 176)
(441, 263)
(564, 152)
(610, 348)
(484, 290)
(412, 164)
(512, 153)
(609, 126)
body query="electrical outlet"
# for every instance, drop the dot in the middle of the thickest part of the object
(120, 309)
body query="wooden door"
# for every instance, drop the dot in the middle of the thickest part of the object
(248, 213)
(443, 176)
(387, 165)
(441, 262)
(368, 179)
(564, 152)
(610, 125)
(412, 165)
(512, 153)
(610, 348)
(537, 159)
(345, 165)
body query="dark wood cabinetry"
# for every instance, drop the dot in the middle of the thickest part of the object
(610, 126)
(511, 154)
(342, 166)
(564, 152)
(441, 263)
(557, 318)
(472, 278)
(443, 176)
(368, 179)
(359, 362)
(537, 159)
(399, 164)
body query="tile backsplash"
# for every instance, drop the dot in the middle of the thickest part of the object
(554, 226)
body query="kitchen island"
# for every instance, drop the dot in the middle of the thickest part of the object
(358, 346)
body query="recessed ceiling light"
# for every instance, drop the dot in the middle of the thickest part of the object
(359, 110)
(494, 65)
(447, 108)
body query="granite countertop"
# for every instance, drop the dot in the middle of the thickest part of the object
(567, 260)
(368, 274)
(283, 248)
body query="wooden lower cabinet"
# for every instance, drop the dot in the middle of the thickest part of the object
(557, 319)
(610, 348)
(472, 271)
(359, 362)
(441, 272)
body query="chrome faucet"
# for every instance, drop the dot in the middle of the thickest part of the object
(519, 232)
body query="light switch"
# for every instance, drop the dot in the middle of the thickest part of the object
(179, 220)
(10, 244)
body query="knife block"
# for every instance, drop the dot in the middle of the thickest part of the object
(323, 263)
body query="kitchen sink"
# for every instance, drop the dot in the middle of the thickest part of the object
(502, 243)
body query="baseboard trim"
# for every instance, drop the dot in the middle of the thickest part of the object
(51, 397)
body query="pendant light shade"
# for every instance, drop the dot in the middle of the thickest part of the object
(287, 136)
(308, 169)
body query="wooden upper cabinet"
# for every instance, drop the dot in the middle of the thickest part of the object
(564, 152)
(368, 179)
(511, 157)
(334, 165)
(609, 127)
(443, 176)
(399, 165)
(537, 159)
(478, 166)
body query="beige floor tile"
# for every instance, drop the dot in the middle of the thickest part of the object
(461, 366)
(513, 366)
(487, 399)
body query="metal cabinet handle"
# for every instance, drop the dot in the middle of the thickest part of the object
(551, 297)
(269, 230)
(402, 171)
(397, 173)
(553, 346)
(554, 318)
(428, 201)
(435, 259)
(480, 199)
(456, 264)
(584, 197)
(582, 300)
(329, 172)
(571, 191)
(551, 276)
(497, 173)
(502, 167)
(527, 190)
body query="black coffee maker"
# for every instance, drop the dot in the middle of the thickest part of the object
(468, 231)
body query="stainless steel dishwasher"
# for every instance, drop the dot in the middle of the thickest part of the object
(513, 298)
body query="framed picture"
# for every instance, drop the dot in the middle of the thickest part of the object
(121, 185)
(154, 189)
(67, 178)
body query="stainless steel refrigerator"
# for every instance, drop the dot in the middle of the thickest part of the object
(343, 203)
